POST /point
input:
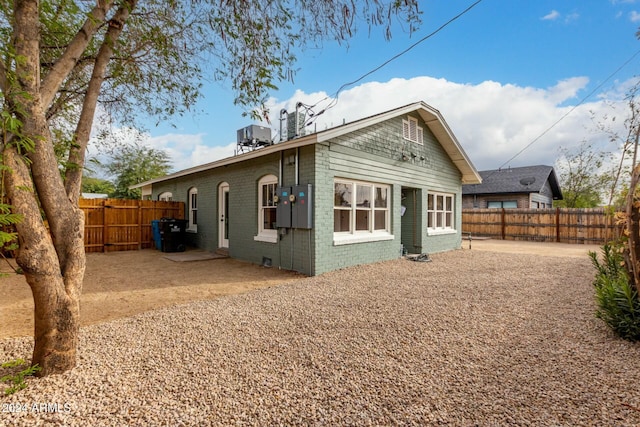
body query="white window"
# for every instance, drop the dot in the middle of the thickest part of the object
(167, 196)
(411, 130)
(507, 204)
(361, 212)
(267, 231)
(440, 212)
(193, 210)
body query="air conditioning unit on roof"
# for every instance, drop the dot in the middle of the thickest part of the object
(253, 136)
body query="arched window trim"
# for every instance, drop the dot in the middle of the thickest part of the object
(166, 196)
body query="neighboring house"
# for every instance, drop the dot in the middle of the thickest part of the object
(525, 187)
(349, 195)
(95, 196)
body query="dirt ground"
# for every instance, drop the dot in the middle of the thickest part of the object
(121, 284)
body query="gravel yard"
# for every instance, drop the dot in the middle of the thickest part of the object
(472, 338)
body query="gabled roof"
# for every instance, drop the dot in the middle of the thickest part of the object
(430, 115)
(527, 179)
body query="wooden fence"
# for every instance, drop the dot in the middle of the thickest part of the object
(589, 226)
(123, 225)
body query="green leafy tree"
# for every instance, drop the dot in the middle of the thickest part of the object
(581, 177)
(62, 59)
(91, 184)
(133, 164)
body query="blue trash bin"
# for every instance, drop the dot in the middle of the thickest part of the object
(157, 238)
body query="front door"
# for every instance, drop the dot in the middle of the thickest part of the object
(410, 220)
(223, 215)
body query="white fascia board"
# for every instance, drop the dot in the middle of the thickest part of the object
(451, 145)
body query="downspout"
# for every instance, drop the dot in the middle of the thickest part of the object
(297, 179)
(280, 168)
(415, 220)
(297, 166)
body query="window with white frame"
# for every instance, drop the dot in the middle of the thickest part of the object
(411, 130)
(193, 209)
(507, 204)
(360, 209)
(167, 196)
(267, 230)
(441, 212)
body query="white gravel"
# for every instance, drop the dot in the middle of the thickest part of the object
(472, 338)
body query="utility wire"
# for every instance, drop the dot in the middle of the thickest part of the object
(582, 101)
(428, 36)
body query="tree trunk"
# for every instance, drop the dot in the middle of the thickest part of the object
(52, 257)
(56, 295)
(51, 254)
(632, 251)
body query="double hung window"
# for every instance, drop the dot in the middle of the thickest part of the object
(193, 210)
(267, 230)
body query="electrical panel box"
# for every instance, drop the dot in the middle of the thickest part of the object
(301, 209)
(283, 207)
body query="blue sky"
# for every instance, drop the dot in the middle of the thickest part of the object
(500, 75)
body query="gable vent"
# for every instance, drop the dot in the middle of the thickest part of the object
(411, 130)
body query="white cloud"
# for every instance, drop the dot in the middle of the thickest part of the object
(554, 15)
(492, 121)
(187, 150)
(634, 16)
(551, 16)
(571, 17)
(184, 150)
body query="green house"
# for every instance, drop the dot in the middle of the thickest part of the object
(354, 194)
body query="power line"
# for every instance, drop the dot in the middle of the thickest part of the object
(582, 101)
(428, 36)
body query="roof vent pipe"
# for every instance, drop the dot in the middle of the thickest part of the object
(283, 117)
(298, 105)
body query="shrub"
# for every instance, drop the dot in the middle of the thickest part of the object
(617, 299)
(16, 379)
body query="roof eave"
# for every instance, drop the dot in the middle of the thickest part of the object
(430, 115)
(450, 143)
(294, 143)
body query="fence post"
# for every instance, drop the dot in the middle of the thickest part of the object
(504, 225)
(105, 226)
(557, 225)
(139, 224)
